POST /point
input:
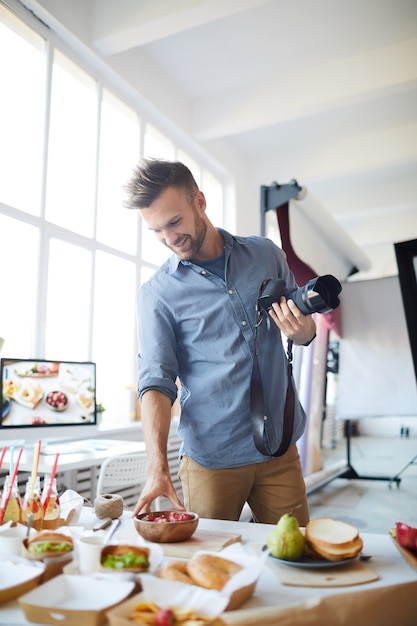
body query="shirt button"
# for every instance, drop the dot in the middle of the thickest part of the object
(230, 292)
(204, 272)
(243, 323)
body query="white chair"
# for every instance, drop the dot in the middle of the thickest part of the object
(120, 472)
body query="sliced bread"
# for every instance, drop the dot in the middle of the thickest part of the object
(331, 532)
(333, 539)
(339, 554)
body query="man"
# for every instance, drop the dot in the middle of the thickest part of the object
(196, 321)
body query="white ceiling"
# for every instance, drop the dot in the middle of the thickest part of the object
(321, 91)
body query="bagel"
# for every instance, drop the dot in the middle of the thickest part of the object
(210, 571)
(176, 570)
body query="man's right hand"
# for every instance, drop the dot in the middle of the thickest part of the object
(160, 486)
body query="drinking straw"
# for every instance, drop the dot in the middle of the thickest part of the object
(51, 480)
(9, 493)
(3, 452)
(11, 460)
(34, 469)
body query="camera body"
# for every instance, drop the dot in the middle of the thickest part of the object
(318, 295)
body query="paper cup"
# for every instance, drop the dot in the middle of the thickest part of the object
(11, 540)
(89, 551)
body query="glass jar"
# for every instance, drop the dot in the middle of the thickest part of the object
(50, 505)
(14, 507)
(32, 504)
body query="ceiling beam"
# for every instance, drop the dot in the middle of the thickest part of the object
(126, 24)
(296, 95)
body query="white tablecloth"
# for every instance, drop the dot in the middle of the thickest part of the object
(389, 601)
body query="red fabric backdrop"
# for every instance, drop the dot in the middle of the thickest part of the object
(302, 272)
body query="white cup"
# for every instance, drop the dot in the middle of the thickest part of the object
(11, 539)
(89, 551)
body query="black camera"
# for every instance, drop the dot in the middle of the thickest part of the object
(319, 295)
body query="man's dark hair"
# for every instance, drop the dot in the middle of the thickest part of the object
(152, 176)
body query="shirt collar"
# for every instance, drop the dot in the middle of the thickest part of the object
(174, 261)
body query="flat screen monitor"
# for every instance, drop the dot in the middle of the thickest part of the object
(44, 399)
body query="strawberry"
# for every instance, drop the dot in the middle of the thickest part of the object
(165, 617)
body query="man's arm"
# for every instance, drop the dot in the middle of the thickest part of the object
(156, 419)
(289, 319)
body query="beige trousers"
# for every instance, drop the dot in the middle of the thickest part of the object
(271, 489)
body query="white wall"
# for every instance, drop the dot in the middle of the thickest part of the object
(389, 427)
(376, 372)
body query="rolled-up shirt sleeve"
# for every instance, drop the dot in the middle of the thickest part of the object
(157, 362)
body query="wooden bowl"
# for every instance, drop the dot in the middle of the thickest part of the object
(165, 532)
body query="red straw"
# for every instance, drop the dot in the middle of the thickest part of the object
(53, 474)
(13, 478)
(3, 452)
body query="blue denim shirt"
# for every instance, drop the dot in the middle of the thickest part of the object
(199, 327)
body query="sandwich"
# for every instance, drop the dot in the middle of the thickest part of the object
(44, 545)
(125, 558)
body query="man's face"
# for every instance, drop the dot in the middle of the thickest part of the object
(177, 222)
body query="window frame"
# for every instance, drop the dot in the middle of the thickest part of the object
(56, 37)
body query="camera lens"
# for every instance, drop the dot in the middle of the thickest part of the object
(319, 295)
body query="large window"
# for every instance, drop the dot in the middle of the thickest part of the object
(72, 257)
(22, 113)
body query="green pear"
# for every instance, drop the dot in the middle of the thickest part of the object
(286, 541)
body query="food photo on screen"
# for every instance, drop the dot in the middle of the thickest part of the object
(39, 392)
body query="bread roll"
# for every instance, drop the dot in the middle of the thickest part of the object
(211, 571)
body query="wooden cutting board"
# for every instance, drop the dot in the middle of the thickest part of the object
(354, 573)
(201, 540)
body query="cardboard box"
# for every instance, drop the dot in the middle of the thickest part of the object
(166, 593)
(17, 577)
(74, 600)
(239, 596)
(205, 602)
(241, 586)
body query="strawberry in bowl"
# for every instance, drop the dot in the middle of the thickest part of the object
(57, 400)
(171, 516)
(166, 526)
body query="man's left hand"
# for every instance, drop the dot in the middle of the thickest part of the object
(289, 319)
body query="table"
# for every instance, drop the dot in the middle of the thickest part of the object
(73, 456)
(389, 601)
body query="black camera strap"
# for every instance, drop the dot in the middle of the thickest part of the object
(257, 402)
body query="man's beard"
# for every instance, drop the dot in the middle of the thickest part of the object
(195, 243)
